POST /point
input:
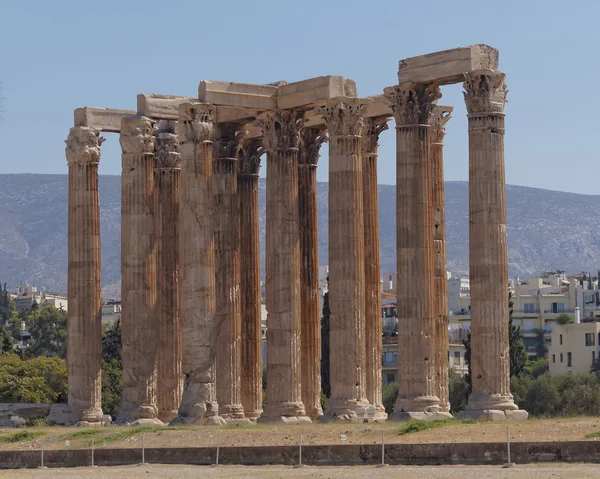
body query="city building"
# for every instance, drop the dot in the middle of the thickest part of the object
(574, 347)
(111, 312)
(28, 295)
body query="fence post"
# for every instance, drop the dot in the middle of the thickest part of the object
(143, 451)
(299, 453)
(508, 463)
(383, 464)
(42, 460)
(218, 444)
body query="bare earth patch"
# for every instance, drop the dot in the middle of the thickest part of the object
(571, 429)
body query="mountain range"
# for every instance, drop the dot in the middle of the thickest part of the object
(546, 230)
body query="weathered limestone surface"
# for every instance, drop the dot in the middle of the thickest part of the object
(310, 307)
(485, 96)
(199, 325)
(344, 121)
(447, 66)
(166, 185)
(101, 119)
(441, 115)
(164, 107)
(373, 325)
(251, 328)
(138, 271)
(281, 130)
(227, 270)
(412, 109)
(84, 335)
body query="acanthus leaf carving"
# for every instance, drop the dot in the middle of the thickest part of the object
(137, 135)
(343, 117)
(440, 117)
(485, 92)
(412, 105)
(311, 140)
(228, 136)
(369, 140)
(280, 128)
(249, 152)
(83, 145)
(196, 122)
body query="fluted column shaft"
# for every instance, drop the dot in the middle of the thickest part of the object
(284, 397)
(199, 327)
(166, 184)
(343, 118)
(485, 96)
(138, 271)
(373, 319)
(251, 327)
(414, 225)
(310, 307)
(227, 270)
(441, 115)
(84, 325)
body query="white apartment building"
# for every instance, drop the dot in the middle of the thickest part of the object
(574, 347)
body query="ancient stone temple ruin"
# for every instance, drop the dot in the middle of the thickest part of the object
(191, 325)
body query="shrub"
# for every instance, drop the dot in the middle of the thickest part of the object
(459, 389)
(39, 380)
(390, 393)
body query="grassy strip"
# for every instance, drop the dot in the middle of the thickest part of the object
(22, 436)
(130, 432)
(240, 426)
(592, 435)
(84, 433)
(416, 426)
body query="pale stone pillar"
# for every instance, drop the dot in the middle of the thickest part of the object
(310, 307)
(412, 108)
(344, 121)
(84, 325)
(281, 135)
(485, 95)
(199, 327)
(373, 320)
(138, 271)
(437, 131)
(227, 271)
(251, 346)
(166, 185)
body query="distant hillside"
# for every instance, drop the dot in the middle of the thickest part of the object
(546, 229)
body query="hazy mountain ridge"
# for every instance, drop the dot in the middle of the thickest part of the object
(546, 229)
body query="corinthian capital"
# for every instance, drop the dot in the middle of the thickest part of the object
(441, 115)
(249, 152)
(369, 140)
(311, 140)
(344, 116)
(83, 146)
(196, 122)
(412, 105)
(137, 136)
(280, 128)
(485, 92)
(167, 146)
(227, 140)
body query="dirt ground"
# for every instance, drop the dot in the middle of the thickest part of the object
(572, 429)
(554, 471)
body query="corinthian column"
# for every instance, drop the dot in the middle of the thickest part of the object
(138, 271)
(251, 345)
(373, 321)
(199, 327)
(310, 143)
(343, 118)
(485, 95)
(412, 108)
(166, 185)
(441, 115)
(281, 135)
(227, 270)
(84, 325)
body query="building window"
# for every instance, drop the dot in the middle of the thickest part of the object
(457, 358)
(561, 339)
(554, 358)
(561, 357)
(569, 360)
(589, 339)
(388, 358)
(528, 308)
(390, 378)
(558, 307)
(593, 357)
(588, 298)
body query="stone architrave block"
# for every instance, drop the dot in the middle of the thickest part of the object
(242, 95)
(448, 66)
(160, 107)
(102, 119)
(314, 90)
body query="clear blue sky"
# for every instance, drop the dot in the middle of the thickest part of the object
(60, 55)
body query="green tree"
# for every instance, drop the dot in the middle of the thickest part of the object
(112, 369)
(389, 396)
(35, 380)
(564, 318)
(325, 372)
(459, 390)
(48, 328)
(540, 348)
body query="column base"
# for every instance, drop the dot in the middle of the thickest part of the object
(253, 415)
(284, 420)
(244, 421)
(198, 421)
(344, 410)
(314, 413)
(131, 412)
(495, 415)
(402, 416)
(167, 415)
(231, 411)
